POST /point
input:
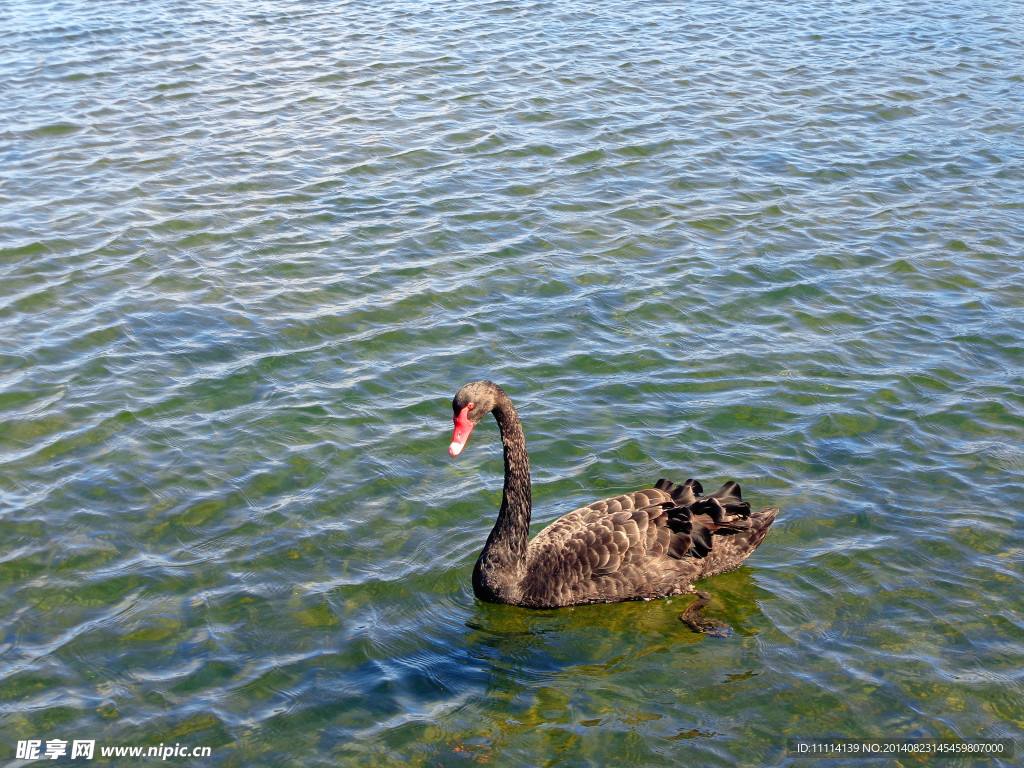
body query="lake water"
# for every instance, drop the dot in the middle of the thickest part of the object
(250, 250)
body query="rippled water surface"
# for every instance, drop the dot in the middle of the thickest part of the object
(250, 250)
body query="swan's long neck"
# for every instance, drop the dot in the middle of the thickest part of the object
(502, 562)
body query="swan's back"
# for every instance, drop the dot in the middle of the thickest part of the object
(647, 544)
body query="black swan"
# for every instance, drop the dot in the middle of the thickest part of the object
(648, 544)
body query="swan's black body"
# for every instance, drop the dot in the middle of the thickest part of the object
(647, 544)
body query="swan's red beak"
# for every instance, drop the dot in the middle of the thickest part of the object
(463, 426)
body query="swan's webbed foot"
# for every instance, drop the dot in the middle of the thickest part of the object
(694, 618)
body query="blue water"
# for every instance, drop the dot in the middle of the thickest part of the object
(249, 251)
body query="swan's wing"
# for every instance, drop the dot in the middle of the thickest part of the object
(614, 549)
(644, 544)
(599, 520)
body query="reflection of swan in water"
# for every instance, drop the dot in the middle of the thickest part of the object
(583, 664)
(648, 544)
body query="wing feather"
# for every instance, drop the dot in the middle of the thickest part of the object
(649, 543)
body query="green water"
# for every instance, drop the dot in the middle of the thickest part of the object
(249, 252)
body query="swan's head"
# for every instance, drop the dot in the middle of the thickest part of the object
(470, 405)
